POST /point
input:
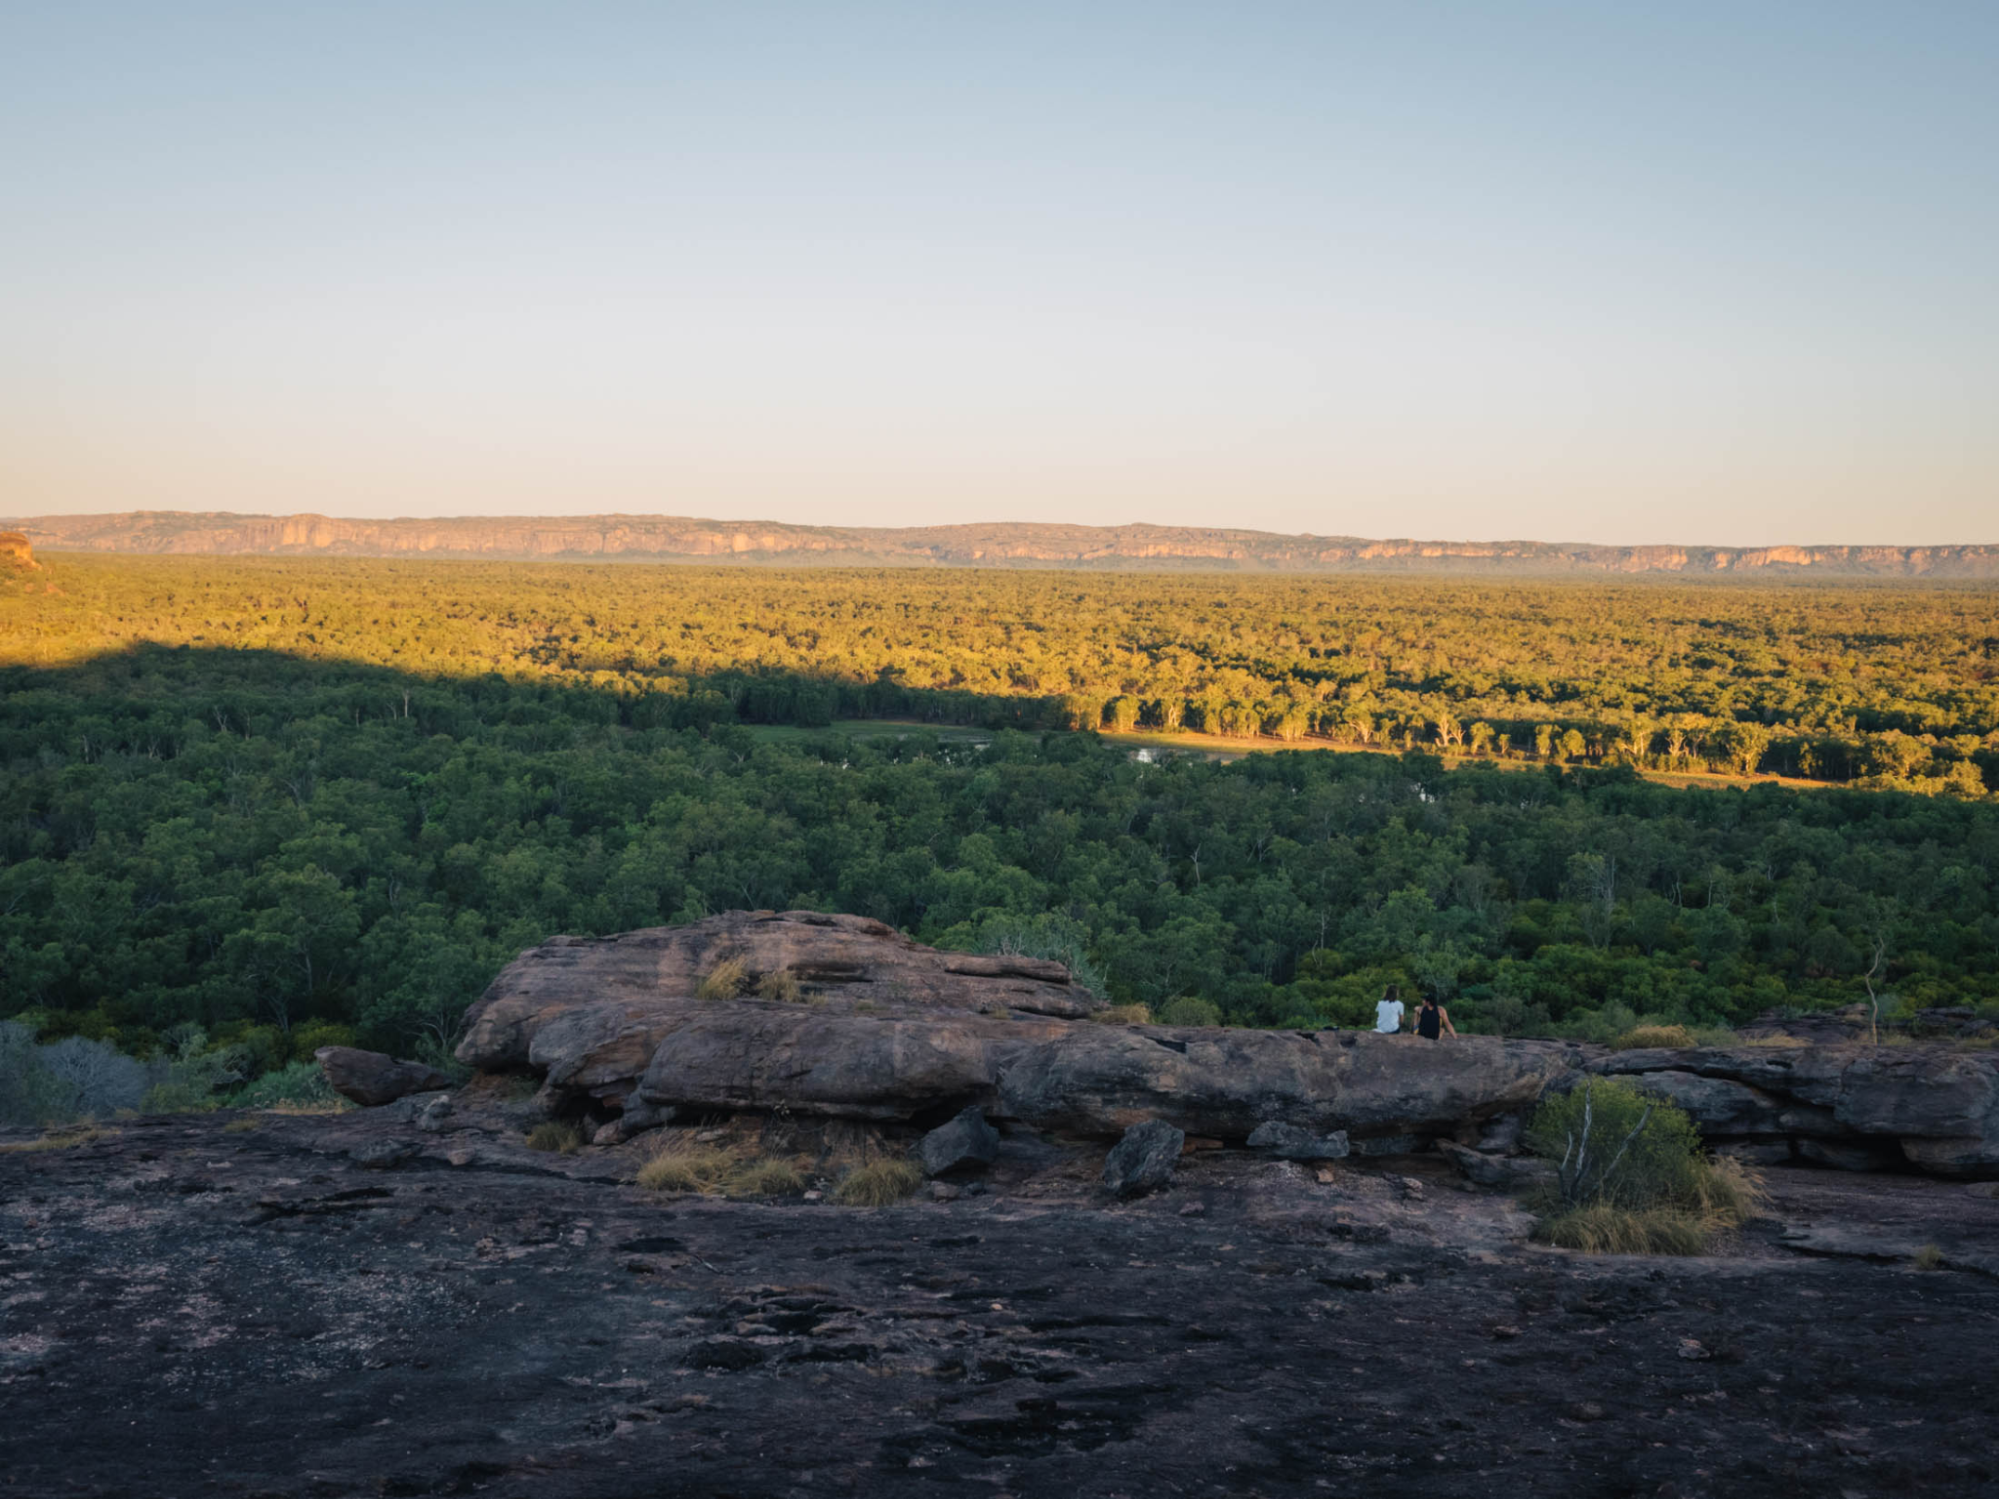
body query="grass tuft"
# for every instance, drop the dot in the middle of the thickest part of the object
(1126, 1015)
(725, 981)
(678, 1168)
(237, 1127)
(556, 1135)
(779, 984)
(877, 1184)
(61, 1140)
(1654, 1036)
(766, 1177)
(1605, 1229)
(1929, 1258)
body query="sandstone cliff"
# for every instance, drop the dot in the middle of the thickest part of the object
(997, 544)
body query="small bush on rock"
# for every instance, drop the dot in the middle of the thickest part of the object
(1190, 1010)
(725, 981)
(779, 984)
(1655, 1036)
(556, 1135)
(1126, 1015)
(1630, 1175)
(877, 1184)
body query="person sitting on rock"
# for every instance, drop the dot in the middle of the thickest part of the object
(1388, 1010)
(1433, 1020)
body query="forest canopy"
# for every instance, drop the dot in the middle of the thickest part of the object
(1891, 686)
(297, 800)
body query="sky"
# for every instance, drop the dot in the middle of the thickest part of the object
(1716, 273)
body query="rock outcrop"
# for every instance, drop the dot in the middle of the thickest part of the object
(876, 1027)
(16, 551)
(375, 1077)
(1857, 1107)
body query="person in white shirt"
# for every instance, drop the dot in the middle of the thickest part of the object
(1388, 1010)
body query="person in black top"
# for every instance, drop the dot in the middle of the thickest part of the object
(1432, 1020)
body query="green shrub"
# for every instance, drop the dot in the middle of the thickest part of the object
(309, 1038)
(193, 1075)
(877, 1184)
(1631, 1177)
(1190, 1010)
(298, 1084)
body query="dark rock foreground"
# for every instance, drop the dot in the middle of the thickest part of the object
(404, 1301)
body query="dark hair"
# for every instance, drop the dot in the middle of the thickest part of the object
(1391, 993)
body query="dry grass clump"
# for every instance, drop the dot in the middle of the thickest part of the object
(779, 984)
(1605, 1229)
(1126, 1015)
(237, 1127)
(877, 1184)
(766, 1177)
(1929, 1258)
(678, 1165)
(556, 1135)
(725, 981)
(1654, 1036)
(63, 1139)
(1772, 1039)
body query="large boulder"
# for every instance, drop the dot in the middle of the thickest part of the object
(375, 1077)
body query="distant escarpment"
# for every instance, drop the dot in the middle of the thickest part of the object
(1017, 544)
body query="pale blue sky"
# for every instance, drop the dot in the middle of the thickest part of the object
(1693, 272)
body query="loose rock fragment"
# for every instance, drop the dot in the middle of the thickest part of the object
(963, 1144)
(374, 1077)
(1295, 1143)
(1144, 1159)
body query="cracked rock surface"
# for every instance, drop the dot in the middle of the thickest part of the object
(351, 1305)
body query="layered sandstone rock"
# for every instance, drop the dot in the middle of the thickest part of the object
(1934, 1108)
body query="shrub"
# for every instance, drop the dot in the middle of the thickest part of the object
(877, 1184)
(298, 1085)
(1929, 1258)
(190, 1077)
(1191, 1010)
(676, 1168)
(779, 984)
(1126, 1015)
(1655, 1036)
(725, 981)
(1631, 1177)
(564, 1136)
(309, 1038)
(767, 1177)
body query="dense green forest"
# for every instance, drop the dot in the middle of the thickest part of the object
(277, 847)
(1874, 684)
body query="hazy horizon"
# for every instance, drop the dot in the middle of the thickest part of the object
(1548, 272)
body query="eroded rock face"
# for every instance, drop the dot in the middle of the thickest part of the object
(1289, 1143)
(1855, 1107)
(590, 1014)
(375, 1077)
